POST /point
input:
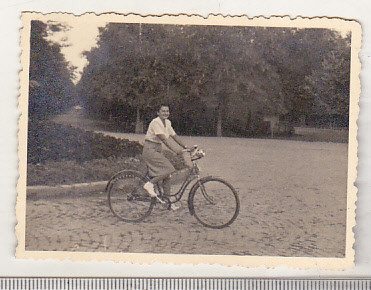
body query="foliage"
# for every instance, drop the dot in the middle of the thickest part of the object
(48, 141)
(71, 172)
(51, 89)
(219, 80)
(329, 85)
(59, 154)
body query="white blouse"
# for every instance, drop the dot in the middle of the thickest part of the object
(156, 127)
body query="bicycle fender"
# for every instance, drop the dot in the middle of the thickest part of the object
(120, 172)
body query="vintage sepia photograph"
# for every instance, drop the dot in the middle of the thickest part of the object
(188, 140)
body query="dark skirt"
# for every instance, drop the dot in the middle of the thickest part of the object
(157, 163)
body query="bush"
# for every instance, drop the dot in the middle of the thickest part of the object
(69, 171)
(48, 141)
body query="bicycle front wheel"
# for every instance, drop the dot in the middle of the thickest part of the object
(215, 203)
(127, 198)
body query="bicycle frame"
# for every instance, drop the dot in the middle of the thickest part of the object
(192, 175)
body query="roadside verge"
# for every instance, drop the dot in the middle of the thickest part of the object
(42, 191)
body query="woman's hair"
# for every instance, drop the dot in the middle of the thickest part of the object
(158, 107)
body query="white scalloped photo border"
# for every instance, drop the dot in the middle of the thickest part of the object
(227, 260)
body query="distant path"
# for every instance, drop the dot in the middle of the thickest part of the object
(77, 119)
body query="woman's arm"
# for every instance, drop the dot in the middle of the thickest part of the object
(177, 140)
(167, 143)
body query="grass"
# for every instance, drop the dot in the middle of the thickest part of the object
(320, 135)
(70, 171)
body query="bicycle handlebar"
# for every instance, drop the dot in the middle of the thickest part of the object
(195, 152)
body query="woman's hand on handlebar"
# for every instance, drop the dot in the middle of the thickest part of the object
(190, 149)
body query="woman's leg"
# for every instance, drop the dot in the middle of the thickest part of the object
(164, 181)
(166, 185)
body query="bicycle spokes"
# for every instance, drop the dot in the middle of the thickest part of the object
(127, 198)
(214, 203)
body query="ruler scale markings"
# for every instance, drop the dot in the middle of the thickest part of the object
(181, 283)
(154, 283)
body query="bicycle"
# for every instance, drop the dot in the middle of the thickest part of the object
(211, 200)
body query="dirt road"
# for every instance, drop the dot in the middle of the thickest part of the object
(293, 203)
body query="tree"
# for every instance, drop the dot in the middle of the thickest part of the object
(330, 84)
(122, 70)
(294, 53)
(50, 88)
(235, 76)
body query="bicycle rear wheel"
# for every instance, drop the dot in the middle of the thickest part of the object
(127, 198)
(215, 203)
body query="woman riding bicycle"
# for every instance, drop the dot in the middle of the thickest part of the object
(159, 167)
(211, 200)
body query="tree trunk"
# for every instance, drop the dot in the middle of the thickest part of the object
(138, 124)
(219, 124)
(302, 121)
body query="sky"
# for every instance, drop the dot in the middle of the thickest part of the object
(78, 38)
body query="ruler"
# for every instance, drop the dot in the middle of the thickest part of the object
(15, 283)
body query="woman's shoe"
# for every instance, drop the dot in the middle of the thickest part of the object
(174, 207)
(151, 191)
